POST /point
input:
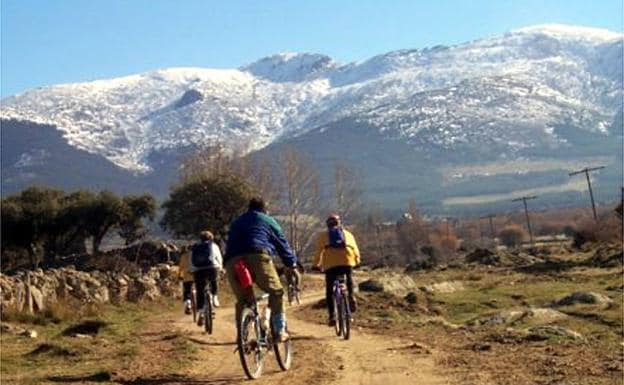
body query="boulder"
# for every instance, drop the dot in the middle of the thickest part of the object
(544, 332)
(443, 287)
(586, 298)
(371, 285)
(419, 266)
(483, 256)
(411, 297)
(545, 315)
(502, 318)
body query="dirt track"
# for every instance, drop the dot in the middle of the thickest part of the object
(320, 357)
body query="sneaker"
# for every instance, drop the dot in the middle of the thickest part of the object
(331, 322)
(200, 317)
(215, 301)
(187, 306)
(282, 336)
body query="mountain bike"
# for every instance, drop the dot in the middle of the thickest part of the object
(255, 339)
(342, 310)
(293, 292)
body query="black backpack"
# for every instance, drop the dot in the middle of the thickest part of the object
(337, 238)
(202, 255)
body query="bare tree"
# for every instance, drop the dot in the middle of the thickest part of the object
(301, 199)
(215, 160)
(347, 189)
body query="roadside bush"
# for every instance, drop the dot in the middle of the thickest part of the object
(512, 235)
(607, 229)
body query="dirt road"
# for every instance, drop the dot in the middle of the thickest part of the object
(319, 358)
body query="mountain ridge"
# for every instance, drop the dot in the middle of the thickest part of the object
(533, 92)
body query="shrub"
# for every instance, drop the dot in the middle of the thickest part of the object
(512, 235)
(606, 229)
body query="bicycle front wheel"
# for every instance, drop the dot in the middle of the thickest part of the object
(194, 305)
(248, 343)
(283, 354)
(208, 313)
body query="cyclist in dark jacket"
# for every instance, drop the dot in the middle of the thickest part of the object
(256, 238)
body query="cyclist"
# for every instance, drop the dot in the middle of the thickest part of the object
(255, 237)
(336, 254)
(206, 262)
(187, 278)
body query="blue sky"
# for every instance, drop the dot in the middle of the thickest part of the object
(60, 41)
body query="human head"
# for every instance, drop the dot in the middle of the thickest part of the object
(206, 236)
(257, 204)
(333, 220)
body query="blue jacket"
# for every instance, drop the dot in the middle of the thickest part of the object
(255, 232)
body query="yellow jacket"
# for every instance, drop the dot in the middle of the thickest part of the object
(328, 257)
(183, 267)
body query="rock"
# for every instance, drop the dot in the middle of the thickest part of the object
(443, 287)
(11, 329)
(411, 297)
(606, 256)
(415, 347)
(585, 297)
(371, 285)
(37, 298)
(502, 318)
(418, 266)
(540, 333)
(545, 315)
(29, 333)
(483, 256)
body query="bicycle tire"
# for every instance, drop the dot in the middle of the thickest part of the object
(340, 318)
(283, 355)
(208, 313)
(245, 349)
(346, 319)
(336, 315)
(194, 305)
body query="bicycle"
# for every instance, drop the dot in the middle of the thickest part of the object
(255, 339)
(293, 292)
(342, 310)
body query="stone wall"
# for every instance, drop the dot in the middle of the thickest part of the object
(35, 290)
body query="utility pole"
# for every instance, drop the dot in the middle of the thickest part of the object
(526, 212)
(587, 170)
(490, 216)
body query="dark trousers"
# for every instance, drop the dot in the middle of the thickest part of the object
(330, 277)
(209, 275)
(187, 288)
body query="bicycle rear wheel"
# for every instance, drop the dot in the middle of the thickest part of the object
(208, 313)
(248, 343)
(336, 316)
(345, 319)
(283, 354)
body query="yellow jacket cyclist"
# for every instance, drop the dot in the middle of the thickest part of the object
(336, 254)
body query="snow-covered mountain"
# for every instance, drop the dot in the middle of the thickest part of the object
(530, 91)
